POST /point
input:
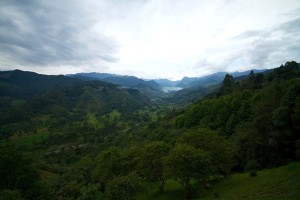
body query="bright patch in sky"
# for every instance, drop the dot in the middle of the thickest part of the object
(150, 39)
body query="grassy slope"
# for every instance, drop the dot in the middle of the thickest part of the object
(278, 183)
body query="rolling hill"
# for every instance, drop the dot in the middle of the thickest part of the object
(24, 84)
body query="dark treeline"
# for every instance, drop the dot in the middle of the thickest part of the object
(259, 114)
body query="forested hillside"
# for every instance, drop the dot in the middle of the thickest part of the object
(23, 85)
(260, 114)
(96, 140)
(70, 106)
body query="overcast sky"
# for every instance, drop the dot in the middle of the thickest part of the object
(148, 38)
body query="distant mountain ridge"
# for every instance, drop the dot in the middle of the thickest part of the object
(195, 88)
(93, 76)
(162, 83)
(24, 84)
(148, 87)
(126, 81)
(212, 79)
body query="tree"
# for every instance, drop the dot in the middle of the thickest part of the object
(16, 172)
(249, 145)
(219, 149)
(130, 158)
(185, 163)
(289, 70)
(282, 135)
(10, 195)
(151, 163)
(84, 167)
(107, 166)
(90, 192)
(254, 81)
(227, 86)
(252, 166)
(230, 124)
(124, 187)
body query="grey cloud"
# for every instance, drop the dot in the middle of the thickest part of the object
(292, 26)
(250, 34)
(208, 67)
(275, 50)
(56, 33)
(269, 48)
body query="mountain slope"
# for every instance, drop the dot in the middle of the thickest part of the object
(276, 183)
(132, 81)
(166, 82)
(23, 84)
(261, 111)
(87, 97)
(149, 88)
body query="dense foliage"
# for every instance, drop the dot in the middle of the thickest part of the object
(259, 114)
(96, 140)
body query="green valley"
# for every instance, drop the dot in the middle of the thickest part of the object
(67, 138)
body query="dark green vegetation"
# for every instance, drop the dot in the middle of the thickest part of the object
(279, 183)
(65, 138)
(23, 85)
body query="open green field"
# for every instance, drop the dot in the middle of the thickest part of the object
(29, 140)
(282, 183)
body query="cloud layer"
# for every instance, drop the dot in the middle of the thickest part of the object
(154, 38)
(257, 49)
(40, 34)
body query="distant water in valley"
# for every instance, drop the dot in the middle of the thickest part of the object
(171, 89)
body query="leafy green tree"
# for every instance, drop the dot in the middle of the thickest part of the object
(254, 81)
(69, 185)
(90, 192)
(130, 157)
(249, 145)
(290, 69)
(16, 172)
(151, 163)
(281, 135)
(297, 151)
(10, 195)
(230, 124)
(124, 187)
(228, 85)
(296, 115)
(84, 167)
(219, 149)
(108, 165)
(252, 166)
(185, 163)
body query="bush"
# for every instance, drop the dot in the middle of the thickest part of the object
(252, 167)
